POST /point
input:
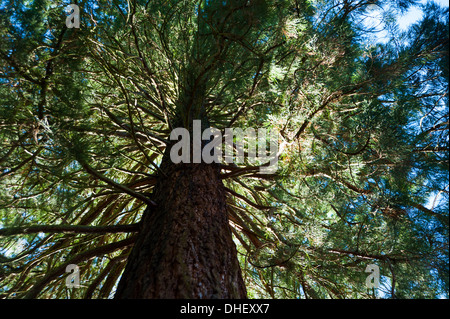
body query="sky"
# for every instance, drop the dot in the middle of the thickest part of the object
(414, 14)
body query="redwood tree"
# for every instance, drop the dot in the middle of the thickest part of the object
(86, 176)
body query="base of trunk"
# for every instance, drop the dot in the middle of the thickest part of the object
(185, 247)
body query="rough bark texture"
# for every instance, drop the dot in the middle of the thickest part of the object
(185, 248)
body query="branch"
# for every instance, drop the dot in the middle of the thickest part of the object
(19, 69)
(429, 212)
(121, 187)
(431, 149)
(361, 255)
(323, 140)
(69, 229)
(102, 250)
(332, 97)
(340, 181)
(245, 199)
(242, 226)
(236, 171)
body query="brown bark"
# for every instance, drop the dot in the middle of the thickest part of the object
(185, 247)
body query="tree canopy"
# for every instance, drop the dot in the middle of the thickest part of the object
(86, 114)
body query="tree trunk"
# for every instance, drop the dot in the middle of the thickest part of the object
(184, 248)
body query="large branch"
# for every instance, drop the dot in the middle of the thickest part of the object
(362, 191)
(429, 212)
(361, 255)
(69, 229)
(245, 199)
(112, 183)
(18, 68)
(98, 251)
(331, 98)
(339, 180)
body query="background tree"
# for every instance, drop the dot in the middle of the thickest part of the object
(85, 121)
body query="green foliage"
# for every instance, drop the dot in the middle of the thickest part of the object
(85, 115)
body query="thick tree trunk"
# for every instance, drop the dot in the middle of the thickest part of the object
(185, 248)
